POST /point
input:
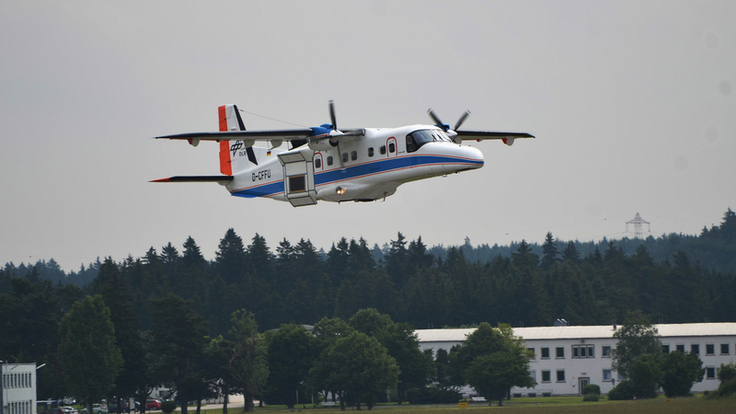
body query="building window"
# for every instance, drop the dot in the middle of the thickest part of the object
(545, 353)
(329, 160)
(533, 353)
(681, 347)
(665, 349)
(724, 349)
(695, 349)
(370, 151)
(606, 351)
(583, 351)
(560, 352)
(533, 374)
(607, 375)
(710, 349)
(710, 373)
(560, 375)
(545, 376)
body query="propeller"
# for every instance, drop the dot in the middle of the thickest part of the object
(437, 120)
(461, 120)
(332, 115)
(444, 126)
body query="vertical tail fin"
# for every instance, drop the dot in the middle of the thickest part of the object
(234, 155)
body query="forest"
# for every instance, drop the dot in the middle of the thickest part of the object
(672, 279)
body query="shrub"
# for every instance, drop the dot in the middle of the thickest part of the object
(727, 372)
(592, 389)
(168, 407)
(625, 390)
(727, 388)
(590, 397)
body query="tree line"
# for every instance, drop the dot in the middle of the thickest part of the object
(299, 284)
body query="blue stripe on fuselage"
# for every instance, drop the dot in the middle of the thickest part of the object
(357, 171)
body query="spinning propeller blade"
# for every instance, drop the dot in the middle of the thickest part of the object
(437, 120)
(332, 115)
(461, 120)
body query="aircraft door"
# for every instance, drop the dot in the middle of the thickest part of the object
(318, 162)
(391, 147)
(298, 177)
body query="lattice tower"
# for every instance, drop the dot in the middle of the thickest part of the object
(637, 222)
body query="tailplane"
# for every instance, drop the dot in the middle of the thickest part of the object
(237, 155)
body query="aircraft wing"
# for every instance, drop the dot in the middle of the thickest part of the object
(284, 134)
(507, 137)
(480, 135)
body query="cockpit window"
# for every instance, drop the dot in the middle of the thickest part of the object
(416, 139)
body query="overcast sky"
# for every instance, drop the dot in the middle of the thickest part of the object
(632, 103)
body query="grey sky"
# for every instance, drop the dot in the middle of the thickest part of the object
(632, 104)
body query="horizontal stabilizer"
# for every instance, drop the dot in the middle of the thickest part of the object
(220, 179)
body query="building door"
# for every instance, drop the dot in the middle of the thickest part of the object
(582, 383)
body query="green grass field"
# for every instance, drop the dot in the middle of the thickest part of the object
(549, 405)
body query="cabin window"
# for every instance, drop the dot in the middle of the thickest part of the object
(317, 163)
(344, 157)
(383, 150)
(416, 139)
(354, 155)
(329, 160)
(410, 145)
(391, 148)
(370, 151)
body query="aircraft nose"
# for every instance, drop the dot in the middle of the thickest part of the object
(475, 156)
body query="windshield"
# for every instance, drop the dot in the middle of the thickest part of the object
(416, 139)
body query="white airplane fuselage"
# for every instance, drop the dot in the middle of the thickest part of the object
(367, 168)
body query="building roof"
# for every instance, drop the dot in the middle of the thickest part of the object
(583, 332)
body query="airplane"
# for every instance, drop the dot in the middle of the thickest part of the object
(329, 164)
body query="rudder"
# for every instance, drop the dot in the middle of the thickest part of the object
(234, 155)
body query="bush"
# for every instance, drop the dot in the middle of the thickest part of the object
(432, 395)
(625, 390)
(168, 407)
(592, 389)
(727, 389)
(727, 372)
(591, 397)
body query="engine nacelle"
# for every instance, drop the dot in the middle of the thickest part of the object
(322, 144)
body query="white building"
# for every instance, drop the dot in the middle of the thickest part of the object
(18, 388)
(570, 357)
